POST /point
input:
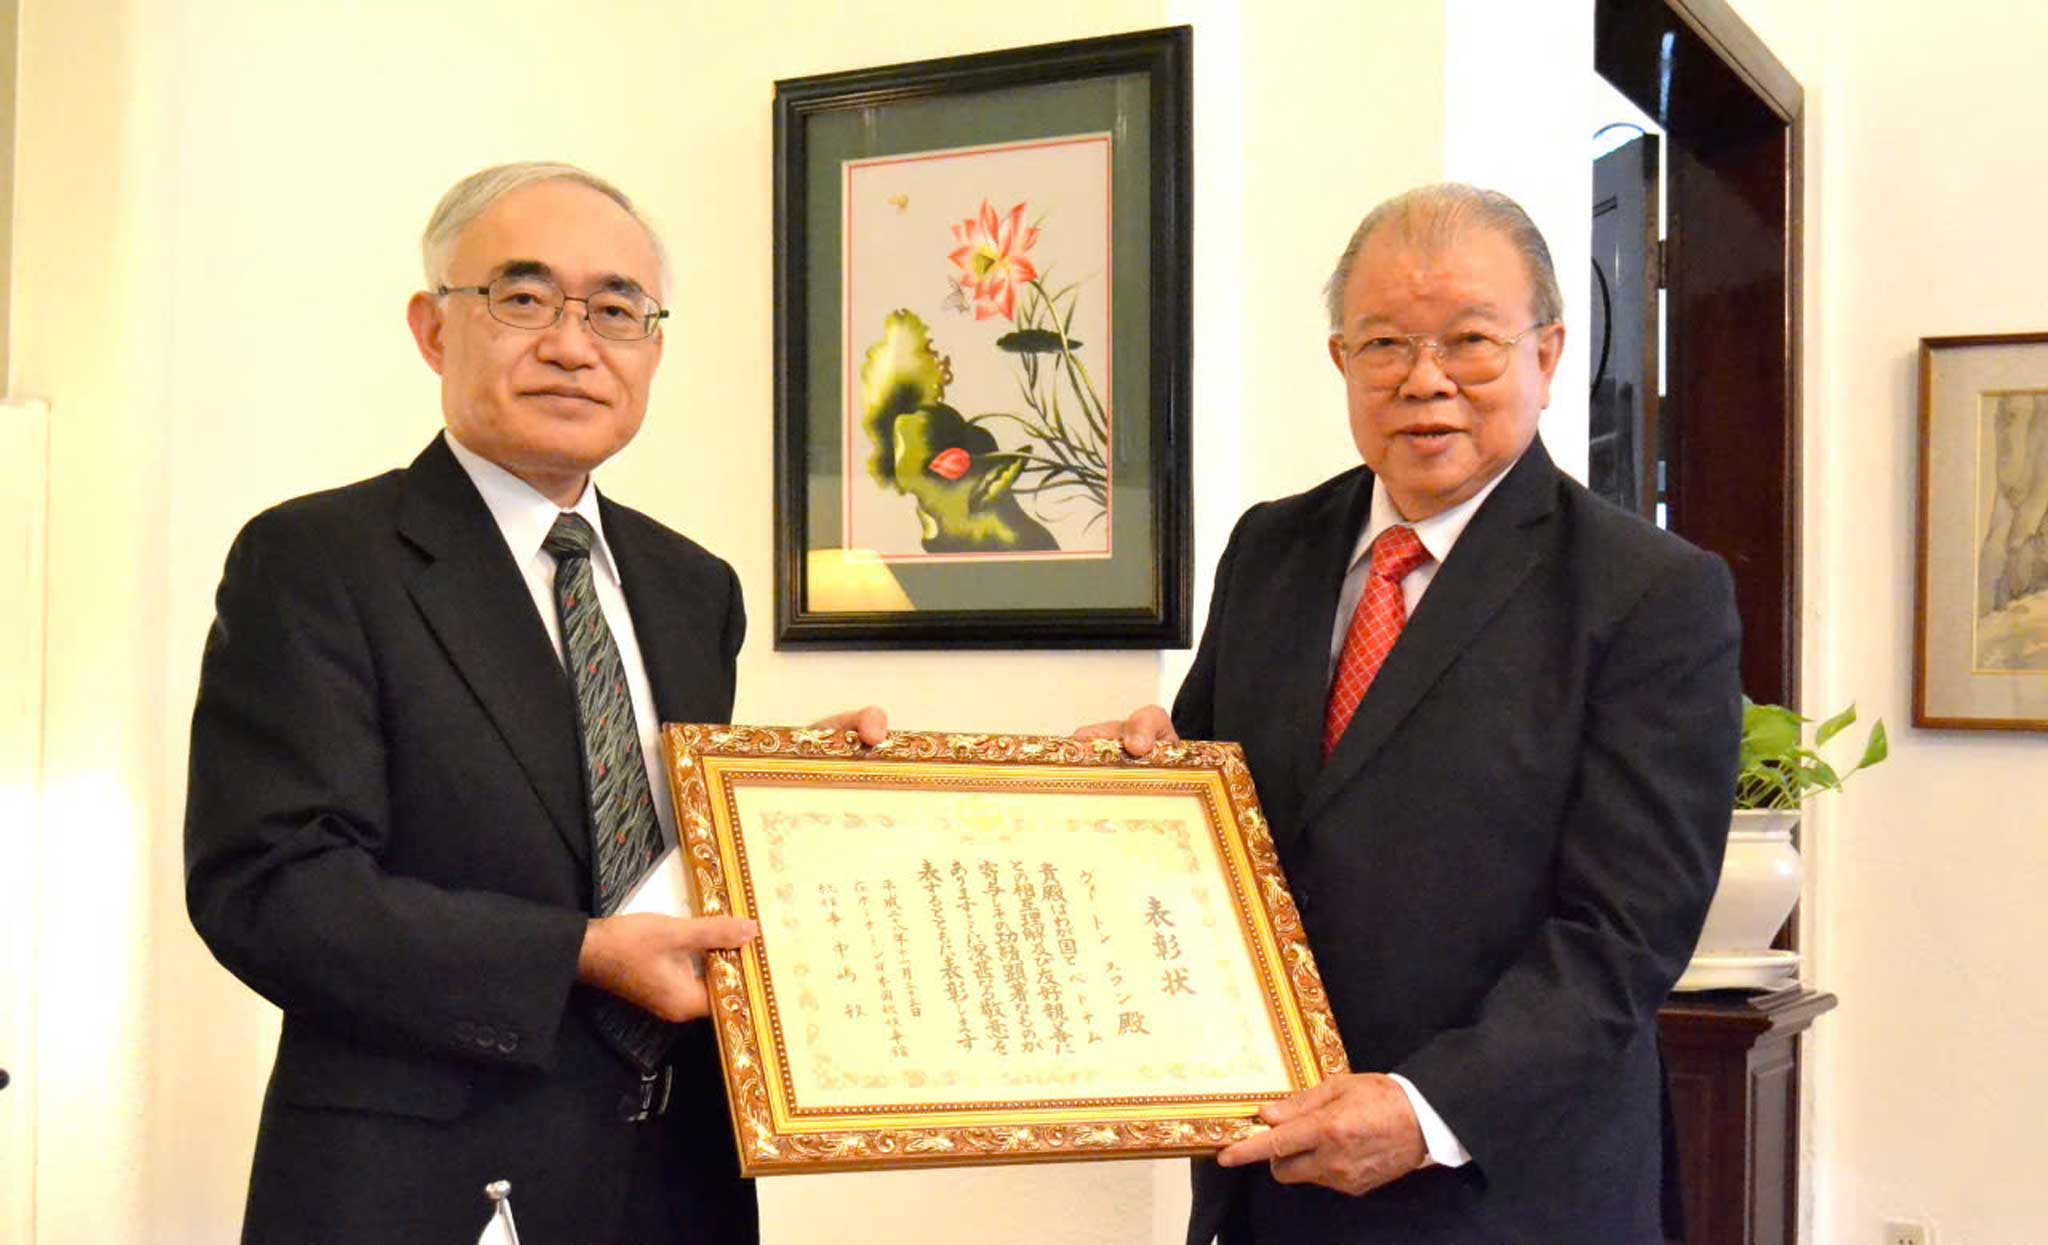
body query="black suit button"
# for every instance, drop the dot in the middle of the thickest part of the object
(486, 1036)
(465, 1031)
(507, 1043)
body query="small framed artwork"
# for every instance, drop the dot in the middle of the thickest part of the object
(982, 344)
(985, 949)
(1980, 633)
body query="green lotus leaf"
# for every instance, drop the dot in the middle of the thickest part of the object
(899, 374)
(973, 511)
(1034, 341)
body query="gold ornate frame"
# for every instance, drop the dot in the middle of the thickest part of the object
(777, 1134)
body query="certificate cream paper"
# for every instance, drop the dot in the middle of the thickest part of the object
(962, 947)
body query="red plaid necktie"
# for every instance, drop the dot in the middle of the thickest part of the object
(1374, 628)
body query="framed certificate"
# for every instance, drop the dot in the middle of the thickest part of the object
(993, 948)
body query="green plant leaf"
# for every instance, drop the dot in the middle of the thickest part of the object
(1770, 732)
(1835, 725)
(1777, 770)
(1816, 773)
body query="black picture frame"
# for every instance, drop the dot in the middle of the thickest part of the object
(976, 579)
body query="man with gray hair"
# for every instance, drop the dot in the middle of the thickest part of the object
(1493, 723)
(425, 779)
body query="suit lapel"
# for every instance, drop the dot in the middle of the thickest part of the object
(1312, 585)
(476, 601)
(657, 612)
(1486, 566)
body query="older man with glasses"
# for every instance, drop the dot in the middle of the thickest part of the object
(425, 782)
(1493, 723)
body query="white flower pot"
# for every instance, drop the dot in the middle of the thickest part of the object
(1759, 884)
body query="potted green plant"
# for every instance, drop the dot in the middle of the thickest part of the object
(1761, 873)
(1779, 771)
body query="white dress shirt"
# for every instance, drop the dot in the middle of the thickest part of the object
(524, 518)
(1437, 533)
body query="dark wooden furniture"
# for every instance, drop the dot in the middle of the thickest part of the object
(1735, 1104)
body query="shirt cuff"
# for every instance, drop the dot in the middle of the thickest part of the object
(1445, 1150)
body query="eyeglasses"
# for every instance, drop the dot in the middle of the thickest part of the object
(536, 302)
(1468, 357)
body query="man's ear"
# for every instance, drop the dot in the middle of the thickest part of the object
(424, 316)
(1549, 349)
(1337, 352)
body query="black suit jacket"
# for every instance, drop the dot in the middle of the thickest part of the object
(1505, 864)
(386, 836)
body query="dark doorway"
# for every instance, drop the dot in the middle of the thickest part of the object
(1624, 456)
(1729, 422)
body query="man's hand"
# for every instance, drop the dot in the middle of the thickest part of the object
(1138, 732)
(652, 960)
(1353, 1133)
(870, 721)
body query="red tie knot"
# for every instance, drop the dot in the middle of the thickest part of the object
(1396, 552)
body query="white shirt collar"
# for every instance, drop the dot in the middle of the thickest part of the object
(1437, 533)
(524, 515)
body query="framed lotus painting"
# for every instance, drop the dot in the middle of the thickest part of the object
(982, 350)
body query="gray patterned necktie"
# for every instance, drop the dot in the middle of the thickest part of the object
(625, 836)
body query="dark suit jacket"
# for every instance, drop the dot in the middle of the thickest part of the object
(386, 836)
(1506, 862)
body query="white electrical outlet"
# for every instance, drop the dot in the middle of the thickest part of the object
(1900, 1232)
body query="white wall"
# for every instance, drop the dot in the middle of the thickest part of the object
(1519, 89)
(1927, 186)
(1343, 106)
(24, 492)
(215, 224)
(88, 282)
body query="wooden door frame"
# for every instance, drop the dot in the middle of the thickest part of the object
(1733, 120)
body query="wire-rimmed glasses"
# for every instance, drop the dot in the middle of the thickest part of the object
(1466, 357)
(530, 301)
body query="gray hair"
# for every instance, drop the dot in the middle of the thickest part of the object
(1433, 217)
(473, 196)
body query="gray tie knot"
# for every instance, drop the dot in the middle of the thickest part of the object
(570, 537)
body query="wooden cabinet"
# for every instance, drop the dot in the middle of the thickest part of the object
(1732, 1062)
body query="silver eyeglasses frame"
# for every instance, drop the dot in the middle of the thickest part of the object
(648, 321)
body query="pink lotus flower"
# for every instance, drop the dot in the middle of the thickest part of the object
(953, 463)
(991, 260)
